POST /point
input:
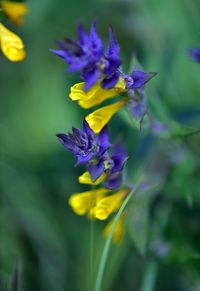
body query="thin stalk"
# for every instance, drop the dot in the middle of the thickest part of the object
(150, 276)
(107, 245)
(191, 133)
(92, 250)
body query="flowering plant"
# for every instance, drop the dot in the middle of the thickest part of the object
(105, 81)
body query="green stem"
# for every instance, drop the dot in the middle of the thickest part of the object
(92, 250)
(191, 133)
(107, 245)
(150, 276)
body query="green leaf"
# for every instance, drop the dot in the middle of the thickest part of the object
(138, 221)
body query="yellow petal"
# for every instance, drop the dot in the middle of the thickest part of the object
(14, 10)
(107, 205)
(11, 45)
(95, 95)
(82, 202)
(85, 178)
(118, 233)
(99, 118)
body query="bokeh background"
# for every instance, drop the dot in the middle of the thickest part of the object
(38, 230)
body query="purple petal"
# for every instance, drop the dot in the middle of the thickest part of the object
(113, 181)
(83, 159)
(77, 132)
(76, 64)
(65, 140)
(113, 47)
(96, 170)
(60, 53)
(111, 67)
(91, 77)
(80, 137)
(118, 148)
(95, 40)
(119, 161)
(73, 47)
(140, 78)
(103, 141)
(87, 129)
(82, 36)
(110, 82)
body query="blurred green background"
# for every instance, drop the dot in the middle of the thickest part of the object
(37, 228)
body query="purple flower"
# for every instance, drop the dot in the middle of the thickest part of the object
(115, 164)
(87, 56)
(138, 79)
(195, 54)
(88, 148)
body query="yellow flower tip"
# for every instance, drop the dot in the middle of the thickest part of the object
(101, 213)
(118, 233)
(14, 10)
(95, 95)
(85, 178)
(76, 91)
(11, 44)
(82, 202)
(107, 205)
(100, 117)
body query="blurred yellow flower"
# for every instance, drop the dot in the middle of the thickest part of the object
(85, 178)
(82, 202)
(118, 233)
(11, 44)
(95, 95)
(100, 117)
(107, 205)
(14, 10)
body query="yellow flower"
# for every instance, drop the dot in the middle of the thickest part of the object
(11, 45)
(14, 10)
(82, 202)
(107, 205)
(85, 178)
(100, 117)
(118, 233)
(96, 94)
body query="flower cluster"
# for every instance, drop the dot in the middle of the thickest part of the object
(11, 44)
(88, 56)
(103, 162)
(103, 79)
